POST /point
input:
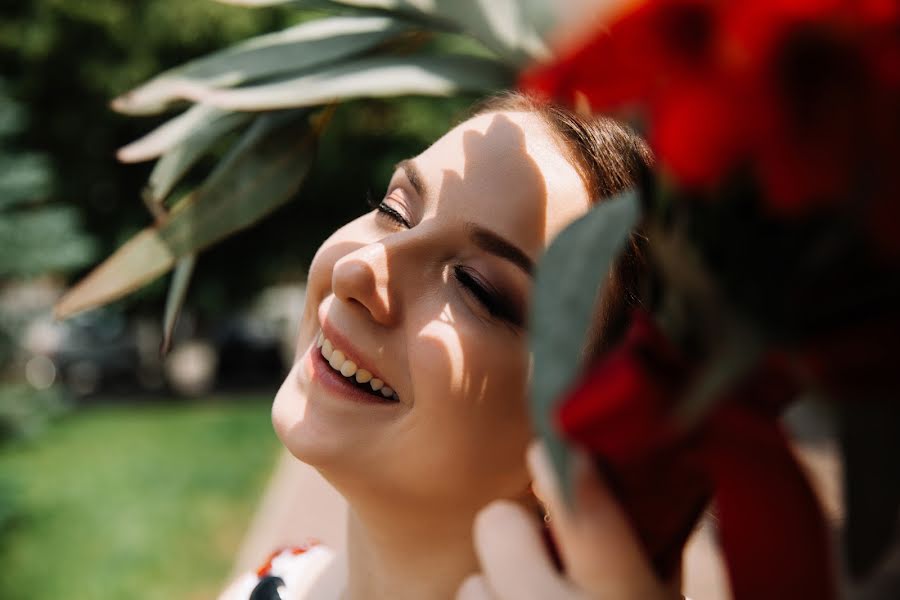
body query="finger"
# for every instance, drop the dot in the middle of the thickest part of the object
(474, 587)
(546, 488)
(598, 546)
(513, 556)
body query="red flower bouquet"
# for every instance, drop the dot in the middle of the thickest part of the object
(774, 229)
(804, 93)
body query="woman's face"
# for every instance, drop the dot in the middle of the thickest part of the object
(429, 294)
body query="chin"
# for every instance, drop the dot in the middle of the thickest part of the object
(297, 425)
(316, 428)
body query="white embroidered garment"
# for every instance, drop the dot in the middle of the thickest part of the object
(287, 575)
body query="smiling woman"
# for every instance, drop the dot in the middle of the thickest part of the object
(408, 389)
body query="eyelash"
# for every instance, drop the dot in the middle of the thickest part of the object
(383, 208)
(483, 294)
(486, 295)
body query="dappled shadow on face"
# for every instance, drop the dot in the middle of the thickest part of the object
(466, 380)
(502, 189)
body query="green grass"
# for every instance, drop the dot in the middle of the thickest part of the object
(134, 501)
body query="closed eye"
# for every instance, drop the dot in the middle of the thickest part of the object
(488, 296)
(386, 210)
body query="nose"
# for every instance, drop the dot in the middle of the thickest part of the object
(362, 278)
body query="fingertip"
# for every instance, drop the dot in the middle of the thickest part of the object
(474, 587)
(542, 471)
(487, 521)
(495, 514)
(510, 546)
(536, 455)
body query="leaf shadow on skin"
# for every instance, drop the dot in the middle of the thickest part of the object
(471, 453)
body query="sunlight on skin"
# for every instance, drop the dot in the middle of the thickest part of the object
(390, 289)
(446, 315)
(303, 387)
(443, 333)
(371, 254)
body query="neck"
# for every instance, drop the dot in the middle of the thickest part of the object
(407, 556)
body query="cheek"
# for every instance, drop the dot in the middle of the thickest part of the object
(318, 280)
(345, 240)
(470, 397)
(458, 356)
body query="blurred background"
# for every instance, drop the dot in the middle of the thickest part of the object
(124, 474)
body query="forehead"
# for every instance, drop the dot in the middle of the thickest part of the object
(505, 171)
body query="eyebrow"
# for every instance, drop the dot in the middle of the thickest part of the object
(414, 176)
(491, 242)
(485, 239)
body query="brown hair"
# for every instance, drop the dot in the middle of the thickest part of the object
(611, 158)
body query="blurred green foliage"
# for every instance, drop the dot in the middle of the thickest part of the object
(25, 412)
(65, 59)
(35, 237)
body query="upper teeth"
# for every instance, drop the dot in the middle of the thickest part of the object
(346, 367)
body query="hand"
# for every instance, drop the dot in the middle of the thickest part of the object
(601, 556)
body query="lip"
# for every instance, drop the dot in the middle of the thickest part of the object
(338, 385)
(341, 342)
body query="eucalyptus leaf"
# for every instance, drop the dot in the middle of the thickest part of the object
(255, 3)
(505, 26)
(309, 44)
(366, 78)
(139, 261)
(178, 160)
(173, 132)
(261, 173)
(175, 299)
(568, 279)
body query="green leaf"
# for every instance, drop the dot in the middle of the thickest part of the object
(255, 3)
(261, 173)
(139, 261)
(367, 78)
(292, 50)
(178, 160)
(568, 279)
(505, 26)
(192, 122)
(175, 299)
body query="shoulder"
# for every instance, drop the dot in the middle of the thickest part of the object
(288, 574)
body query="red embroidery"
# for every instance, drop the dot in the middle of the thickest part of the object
(266, 568)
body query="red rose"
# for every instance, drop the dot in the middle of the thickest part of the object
(806, 93)
(621, 413)
(641, 51)
(664, 473)
(852, 363)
